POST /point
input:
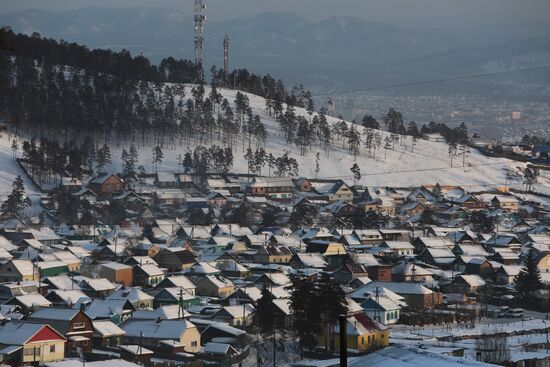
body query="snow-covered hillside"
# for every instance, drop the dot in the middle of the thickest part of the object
(428, 164)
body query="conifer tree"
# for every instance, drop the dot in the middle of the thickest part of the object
(14, 204)
(356, 173)
(529, 279)
(265, 312)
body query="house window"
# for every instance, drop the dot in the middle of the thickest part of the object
(79, 325)
(32, 351)
(362, 340)
(52, 348)
(194, 344)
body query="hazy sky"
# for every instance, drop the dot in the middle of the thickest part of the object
(423, 13)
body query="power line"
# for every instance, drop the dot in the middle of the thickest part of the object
(435, 81)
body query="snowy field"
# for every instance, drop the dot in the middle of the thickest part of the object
(428, 164)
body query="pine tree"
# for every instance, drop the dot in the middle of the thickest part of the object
(356, 173)
(158, 156)
(317, 166)
(529, 279)
(354, 142)
(305, 312)
(331, 301)
(393, 120)
(370, 122)
(387, 145)
(187, 162)
(304, 214)
(265, 312)
(14, 204)
(14, 148)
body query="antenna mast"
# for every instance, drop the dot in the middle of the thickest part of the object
(226, 59)
(199, 37)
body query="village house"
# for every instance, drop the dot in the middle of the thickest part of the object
(215, 286)
(117, 273)
(410, 272)
(398, 248)
(107, 185)
(74, 325)
(273, 255)
(414, 294)
(382, 309)
(383, 204)
(506, 202)
(106, 334)
(18, 271)
(237, 315)
(25, 343)
(340, 191)
(272, 187)
(138, 298)
(302, 260)
(506, 274)
(147, 275)
(363, 334)
(175, 296)
(469, 202)
(151, 332)
(175, 259)
(440, 257)
(465, 284)
(116, 310)
(180, 281)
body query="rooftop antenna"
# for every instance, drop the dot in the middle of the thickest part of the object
(226, 59)
(199, 37)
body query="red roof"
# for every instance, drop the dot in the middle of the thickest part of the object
(45, 334)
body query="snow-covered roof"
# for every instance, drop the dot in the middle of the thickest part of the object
(167, 312)
(33, 300)
(132, 294)
(64, 314)
(181, 281)
(135, 349)
(115, 266)
(216, 348)
(18, 333)
(473, 280)
(397, 245)
(105, 308)
(24, 267)
(163, 329)
(402, 288)
(203, 268)
(71, 297)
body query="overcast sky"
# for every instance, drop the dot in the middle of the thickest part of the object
(424, 13)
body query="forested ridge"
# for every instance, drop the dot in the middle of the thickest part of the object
(54, 85)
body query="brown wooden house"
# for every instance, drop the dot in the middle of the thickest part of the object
(107, 185)
(74, 325)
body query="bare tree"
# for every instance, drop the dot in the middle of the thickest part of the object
(492, 347)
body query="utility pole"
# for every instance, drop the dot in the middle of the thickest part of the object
(226, 59)
(181, 312)
(343, 341)
(199, 38)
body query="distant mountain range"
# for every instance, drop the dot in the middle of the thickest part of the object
(339, 51)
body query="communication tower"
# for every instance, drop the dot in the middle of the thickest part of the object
(199, 37)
